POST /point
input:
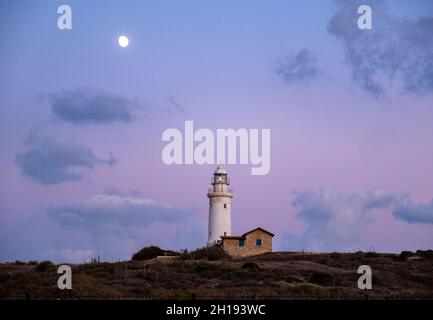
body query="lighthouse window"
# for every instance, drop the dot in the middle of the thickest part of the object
(225, 206)
(258, 242)
(241, 242)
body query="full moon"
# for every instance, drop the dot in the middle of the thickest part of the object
(123, 41)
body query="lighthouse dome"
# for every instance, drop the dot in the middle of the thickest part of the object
(220, 170)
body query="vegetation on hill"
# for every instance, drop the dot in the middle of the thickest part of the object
(151, 252)
(211, 253)
(206, 273)
(44, 266)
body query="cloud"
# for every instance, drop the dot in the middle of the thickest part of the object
(396, 50)
(69, 255)
(335, 221)
(175, 105)
(298, 67)
(119, 224)
(50, 160)
(111, 225)
(107, 210)
(415, 213)
(89, 105)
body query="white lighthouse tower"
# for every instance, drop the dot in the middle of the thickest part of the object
(220, 206)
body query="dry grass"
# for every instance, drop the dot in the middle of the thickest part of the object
(269, 276)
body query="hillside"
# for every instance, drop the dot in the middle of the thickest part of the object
(278, 275)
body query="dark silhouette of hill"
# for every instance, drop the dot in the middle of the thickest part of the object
(277, 275)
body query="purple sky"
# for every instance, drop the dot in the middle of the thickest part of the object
(81, 119)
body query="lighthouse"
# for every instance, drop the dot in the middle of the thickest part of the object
(220, 206)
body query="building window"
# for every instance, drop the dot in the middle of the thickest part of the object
(225, 206)
(241, 242)
(258, 242)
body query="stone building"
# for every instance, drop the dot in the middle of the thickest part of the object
(256, 241)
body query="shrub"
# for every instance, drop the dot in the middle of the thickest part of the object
(308, 291)
(359, 253)
(44, 266)
(251, 266)
(148, 253)
(205, 267)
(211, 253)
(184, 294)
(371, 254)
(185, 255)
(377, 278)
(88, 286)
(242, 273)
(26, 281)
(426, 254)
(179, 294)
(404, 255)
(336, 256)
(322, 279)
(32, 263)
(210, 270)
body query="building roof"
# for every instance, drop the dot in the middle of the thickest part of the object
(261, 229)
(245, 234)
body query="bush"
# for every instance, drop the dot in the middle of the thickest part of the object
(426, 254)
(148, 253)
(404, 255)
(211, 253)
(371, 254)
(27, 281)
(336, 256)
(377, 278)
(322, 279)
(179, 294)
(88, 286)
(242, 273)
(307, 290)
(44, 266)
(251, 266)
(215, 270)
(210, 270)
(206, 267)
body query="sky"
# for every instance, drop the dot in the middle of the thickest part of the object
(350, 113)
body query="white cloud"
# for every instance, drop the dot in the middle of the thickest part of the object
(335, 221)
(396, 50)
(415, 212)
(118, 224)
(111, 209)
(69, 255)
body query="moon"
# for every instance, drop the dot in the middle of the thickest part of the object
(123, 41)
